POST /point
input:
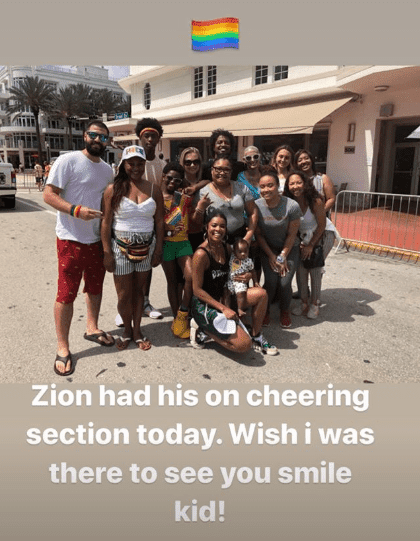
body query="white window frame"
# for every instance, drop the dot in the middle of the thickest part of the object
(204, 82)
(269, 74)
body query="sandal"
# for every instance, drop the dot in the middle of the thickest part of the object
(122, 343)
(96, 337)
(143, 343)
(64, 360)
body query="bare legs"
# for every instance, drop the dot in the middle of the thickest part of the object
(175, 300)
(240, 342)
(63, 314)
(130, 292)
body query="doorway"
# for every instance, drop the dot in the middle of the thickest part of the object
(406, 160)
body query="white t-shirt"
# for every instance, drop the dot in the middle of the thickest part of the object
(83, 182)
(154, 170)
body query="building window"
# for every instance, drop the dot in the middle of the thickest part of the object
(25, 121)
(198, 82)
(281, 72)
(147, 96)
(17, 81)
(53, 124)
(56, 142)
(261, 75)
(205, 81)
(211, 80)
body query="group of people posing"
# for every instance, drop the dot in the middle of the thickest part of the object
(214, 227)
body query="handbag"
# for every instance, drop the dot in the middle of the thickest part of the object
(134, 251)
(316, 259)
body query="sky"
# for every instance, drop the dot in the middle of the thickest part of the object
(118, 71)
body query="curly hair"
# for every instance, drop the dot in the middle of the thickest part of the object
(269, 171)
(173, 166)
(149, 123)
(310, 193)
(216, 133)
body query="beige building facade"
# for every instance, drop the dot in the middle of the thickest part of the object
(358, 121)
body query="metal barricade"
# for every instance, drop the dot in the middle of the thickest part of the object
(26, 181)
(382, 223)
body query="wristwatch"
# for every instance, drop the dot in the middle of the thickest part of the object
(281, 258)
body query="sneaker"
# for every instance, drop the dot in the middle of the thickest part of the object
(300, 309)
(197, 336)
(151, 312)
(180, 326)
(285, 320)
(266, 320)
(261, 344)
(313, 311)
(119, 321)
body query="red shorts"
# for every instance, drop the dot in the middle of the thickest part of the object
(74, 261)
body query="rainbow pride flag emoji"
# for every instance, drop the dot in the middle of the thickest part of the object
(216, 34)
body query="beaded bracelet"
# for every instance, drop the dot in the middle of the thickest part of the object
(72, 210)
(77, 211)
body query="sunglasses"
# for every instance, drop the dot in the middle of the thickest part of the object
(191, 162)
(171, 178)
(93, 135)
(254, 158)
(222, 170)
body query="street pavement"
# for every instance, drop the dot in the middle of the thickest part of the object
(367, 332)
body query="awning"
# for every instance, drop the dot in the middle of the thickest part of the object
(268, 120)
(128, 137)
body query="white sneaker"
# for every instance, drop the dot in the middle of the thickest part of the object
(119, 321)
(261, 344)
(197, 336)
(151, 312)
(313, 311)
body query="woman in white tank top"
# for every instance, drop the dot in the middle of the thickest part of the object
(133, 215)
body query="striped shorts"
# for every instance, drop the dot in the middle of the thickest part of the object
(123, 265)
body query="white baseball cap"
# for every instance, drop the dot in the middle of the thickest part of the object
(131, 151)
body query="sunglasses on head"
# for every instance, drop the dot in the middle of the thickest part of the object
(93, 135)
(254, 158)
(191, 162)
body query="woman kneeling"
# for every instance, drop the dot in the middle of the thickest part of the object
(210, 275)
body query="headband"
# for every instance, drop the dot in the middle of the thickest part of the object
(148, 129)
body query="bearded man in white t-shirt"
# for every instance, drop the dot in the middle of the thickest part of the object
(75, 186)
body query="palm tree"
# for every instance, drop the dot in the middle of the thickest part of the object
(105, 101)
(69, 103)
(36, 94)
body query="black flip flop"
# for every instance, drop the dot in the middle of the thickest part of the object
(95, 338)
(64, 360)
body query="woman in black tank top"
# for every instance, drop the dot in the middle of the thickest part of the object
(210, 274)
